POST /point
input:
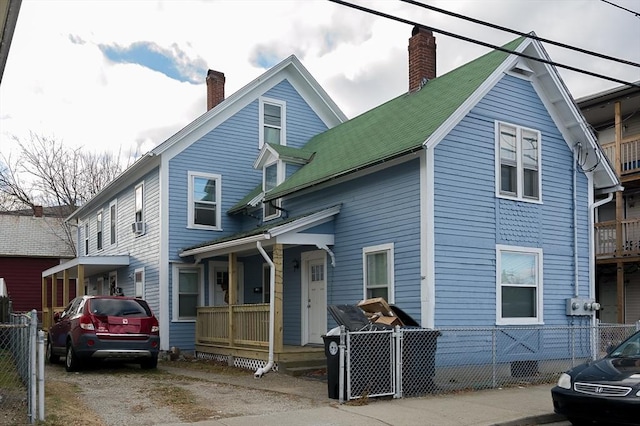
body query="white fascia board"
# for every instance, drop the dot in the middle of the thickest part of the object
(305, 222)
(210, 249)
(116, 261)
(267, 155)
(301, 238)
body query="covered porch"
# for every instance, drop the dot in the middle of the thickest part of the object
(77, 270)
(252, 335)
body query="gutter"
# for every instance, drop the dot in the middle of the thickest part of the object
(272, 277)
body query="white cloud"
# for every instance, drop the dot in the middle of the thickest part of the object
(58, 83)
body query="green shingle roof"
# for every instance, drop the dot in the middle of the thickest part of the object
(394, 128)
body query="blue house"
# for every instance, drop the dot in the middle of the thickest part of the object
(467, 201)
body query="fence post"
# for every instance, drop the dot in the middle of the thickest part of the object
(40, 375)
(494, 349)
(33, 326)
(398, 348)
(341, 376)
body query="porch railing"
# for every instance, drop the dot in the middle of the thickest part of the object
(243, 325)
(606, 241)
(629, 154)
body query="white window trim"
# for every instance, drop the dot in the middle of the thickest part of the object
(100, 230)
(391, 271)
(175, 291)
(279, 179)
(86, 238)
(191, 206)
(114, 203)
(135, 283)
(539, 287)
(283, 119)
(519, 168)
(142, 213)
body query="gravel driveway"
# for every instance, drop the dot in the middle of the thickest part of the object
(124, 394)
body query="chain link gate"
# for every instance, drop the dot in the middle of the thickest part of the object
(20, 368)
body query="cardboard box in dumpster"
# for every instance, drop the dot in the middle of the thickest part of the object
(391, 321)
(380, 312)
(375, 305)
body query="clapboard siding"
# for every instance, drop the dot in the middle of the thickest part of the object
(377, 209)
(229, 150)
(470, 220)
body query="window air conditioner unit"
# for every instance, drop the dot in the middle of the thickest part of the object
(137, 228)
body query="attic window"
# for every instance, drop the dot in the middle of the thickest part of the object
(272, 122)
(271, 178)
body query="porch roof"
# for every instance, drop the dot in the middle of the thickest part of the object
(92, 265)
(289, 231)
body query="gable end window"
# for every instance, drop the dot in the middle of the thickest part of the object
(205, 194)
(272, 122)
(518, 162)
(378, 272)
(519, 285)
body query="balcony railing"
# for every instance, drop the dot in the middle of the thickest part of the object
(629, 154)
(606, 242)
(235, 325)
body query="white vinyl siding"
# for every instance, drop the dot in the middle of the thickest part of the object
(518, 162)
(205, 194)
(378, 272)
(519, 285)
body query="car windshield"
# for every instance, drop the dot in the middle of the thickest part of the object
(629, 349)
(119, 308)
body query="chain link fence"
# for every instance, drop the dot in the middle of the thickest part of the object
(416, 361)
(18, 340)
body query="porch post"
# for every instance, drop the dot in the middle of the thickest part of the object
(65, 287)
(45, 321)
(277, 302)
(233, 298)
(619, 217)
(54, 291)
(80, 281)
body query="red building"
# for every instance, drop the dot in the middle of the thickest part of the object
(31, 242)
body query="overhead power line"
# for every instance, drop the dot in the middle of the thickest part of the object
(509, 30)
(482, 43)
(623, 8)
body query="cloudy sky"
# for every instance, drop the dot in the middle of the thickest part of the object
(126, 75)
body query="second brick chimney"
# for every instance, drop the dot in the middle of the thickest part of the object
(422, 58)
(215, 88)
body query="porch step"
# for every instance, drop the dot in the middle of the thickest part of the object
(302, 368)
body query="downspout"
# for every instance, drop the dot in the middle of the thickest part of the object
(576, 289)
(272, 278)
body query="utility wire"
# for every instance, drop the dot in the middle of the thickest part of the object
(623, 8)
(509, 30)
(482, 43)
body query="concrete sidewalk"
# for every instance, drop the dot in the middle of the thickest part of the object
(518, 406)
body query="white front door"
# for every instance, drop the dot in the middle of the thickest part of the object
(219, 282)
(315, 283)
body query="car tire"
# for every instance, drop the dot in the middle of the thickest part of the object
(51, 357)
(149, 363)
(72, 363)
(579, 422)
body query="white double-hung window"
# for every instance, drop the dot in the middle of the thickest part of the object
(271, 178)
(519, 285)
(378, 272)
(205, 193)
(272, 122)
(187, 292)
(518, 163)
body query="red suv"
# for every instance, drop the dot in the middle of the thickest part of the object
(104, 327)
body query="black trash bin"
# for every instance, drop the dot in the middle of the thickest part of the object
(332, 352)
(418, 356)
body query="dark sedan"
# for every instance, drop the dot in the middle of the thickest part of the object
(606, 391)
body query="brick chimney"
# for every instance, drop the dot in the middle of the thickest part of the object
(422, 57)
(215, 88)
(38, 211)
